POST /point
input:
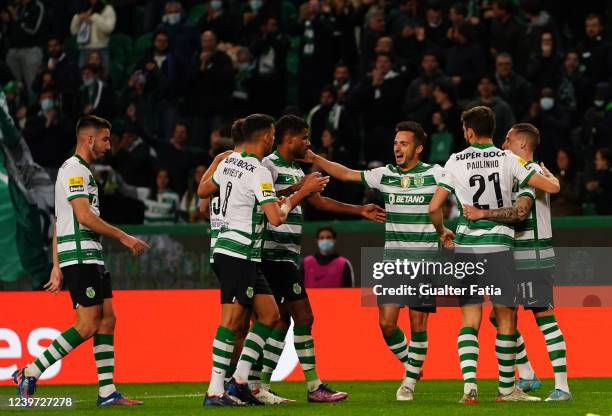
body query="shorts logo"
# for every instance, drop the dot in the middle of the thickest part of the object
(419, 180)
(76, 184)
(297, 289)
(250, 292)
(406, 182)
(90, 292)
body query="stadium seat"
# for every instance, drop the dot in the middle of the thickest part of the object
(196, 12)
(120, 48)
(143, 43)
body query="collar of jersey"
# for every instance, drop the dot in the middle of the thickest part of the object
(81, 160)
(405, 172)
(284, 161)
(245, 154)
(483, 145)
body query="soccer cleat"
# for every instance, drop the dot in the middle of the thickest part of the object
(404, 394)
(529, 385)
(117, 399)
(26, 386)
(558, 395)
(325, 394)
(223, 400)
(242, 392)
(269, 397)
(470, 398)
(517, 395)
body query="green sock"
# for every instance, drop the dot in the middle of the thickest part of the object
(505, 350)
(252, 349)
(59, 348)
(398, 345)
(417, 349)
(272, 352)
(222, 351)
(555, 344)
(522, 361)
(304, 346)
(467, 344)
(104, 353)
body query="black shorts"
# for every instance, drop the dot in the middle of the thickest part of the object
(285, 280)
(418, 300)
(534, 289)
(240, 280)
(88, 284)
(497, 279)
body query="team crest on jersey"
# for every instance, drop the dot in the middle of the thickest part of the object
(418, 180)
(76, 184)
(406, 182)
(250, 292)
(90, 292)
(297, 289)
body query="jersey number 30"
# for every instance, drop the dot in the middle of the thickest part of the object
(480, 181)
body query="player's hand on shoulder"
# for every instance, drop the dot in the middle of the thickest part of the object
(314, 182)
(54, 285)
(472, 213)
(136, 246)
(221, 156)
(374, 213)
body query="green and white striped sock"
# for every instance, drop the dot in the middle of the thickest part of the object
(104, 353)
(304, 346)
(505, 350)
(522, 361)
(255, 374)
(398, 345)
(59, 348)
(555, 344)
(417, 349)
(272, 352)
(223, 347)
(252, 350)
(467, 345)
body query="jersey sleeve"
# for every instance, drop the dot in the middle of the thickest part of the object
(519, 170)
(371, 178)
(437, 173)
(215, 177)
(263, 187)
(527, 191)
(75, 178)
(267, 163)
(446, 179)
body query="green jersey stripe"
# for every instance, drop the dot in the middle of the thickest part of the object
(411, 236)
(399, 218)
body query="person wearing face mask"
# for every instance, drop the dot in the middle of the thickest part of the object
(92, 27)
(94, 97)
(552, 121)
(221, 21)
(183, 35)
(326, 268)
(47, 134)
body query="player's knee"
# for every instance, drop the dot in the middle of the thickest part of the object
(88, 329)
(306, 319)
(108, 323)
(387, 327)
(418, 324)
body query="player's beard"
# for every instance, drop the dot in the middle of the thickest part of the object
(95, 154)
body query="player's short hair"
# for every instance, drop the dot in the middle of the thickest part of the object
(326, 228)
(92, 121)
(254, 124)
(481, 119)
(236, 132)
(415, 128)
(530, 131)
(289, 124)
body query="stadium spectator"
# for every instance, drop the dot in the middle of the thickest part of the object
(48, 134)
(92, 27)
(507, 34)
(504, 117)
(176, 158)
(329, 114)
(183, 35)
(595, 50)
(569, 200)
(25, 32)
(436, 28)
(430, 74)
(543, 66)
(513, 88)
(95, 96)
(447, 135)
(326, 268)
(344, 85)
(600, 186)
(552, 120)
(222, 21)
(411, 44)
(269, 81)
(132, 157)
(539, 22)
(331, 148)
(597, 121)
(94, 60)
(242, 96)
(405, 14)
(374, 29)
(422, 108)
(465, 61)
(346, 22)
(15, 102)
(190, 203)
(574, 91)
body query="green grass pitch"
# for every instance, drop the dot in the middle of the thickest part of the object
(432, 397)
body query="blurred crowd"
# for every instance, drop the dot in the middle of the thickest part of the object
(173, 75)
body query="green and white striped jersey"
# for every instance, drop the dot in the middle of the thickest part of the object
(482, 175)
(408, 229)
(244, 185)
(76, 244)
(163, 210)
(283, 243)
(533, 247)
(216, 221)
